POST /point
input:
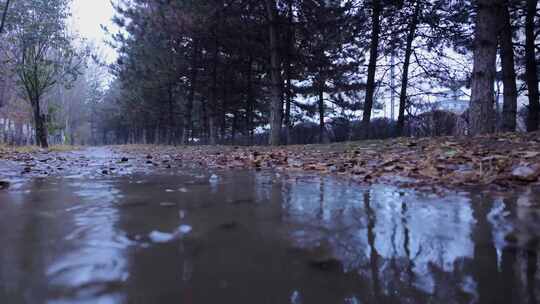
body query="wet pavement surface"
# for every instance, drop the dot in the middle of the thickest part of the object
(107, 230)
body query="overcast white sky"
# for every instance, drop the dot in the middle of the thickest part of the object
(88, 16)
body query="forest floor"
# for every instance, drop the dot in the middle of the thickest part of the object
(502, 160)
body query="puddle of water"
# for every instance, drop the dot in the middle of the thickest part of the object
(247, 237)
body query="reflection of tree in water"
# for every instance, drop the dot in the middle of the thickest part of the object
(508, 260)
(393, 249)
(406, 244)
(532, 268)
(437, 249)
(485, 254)
(311, 241)
(374, 255)
(515, 242)
(527, 210)
(320, 214)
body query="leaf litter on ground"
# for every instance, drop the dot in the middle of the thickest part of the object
(505, 160)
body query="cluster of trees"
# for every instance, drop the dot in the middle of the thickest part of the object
(45, 74)
(212, 70)
(221, 71)
(498, 24)
(216, 70)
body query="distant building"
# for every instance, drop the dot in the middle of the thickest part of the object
(454, 101)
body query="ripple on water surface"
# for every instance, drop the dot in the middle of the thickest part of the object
(256, 237)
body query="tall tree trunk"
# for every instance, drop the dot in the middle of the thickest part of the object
(372, 67)
(533, 116)
(156, 134)
(406, 64)
(212, 107)
(171, 124)
(288, 73)
(276, 102)
(19, 133)
(234, 126)
(40, 124)
(224, 108)
(204, 121)
(482, 114)
(288, 102)
(508, 71)
(72, 138)
(323, 138)
(188, 121)
(212, 134)
(4, 15)
(249, 101)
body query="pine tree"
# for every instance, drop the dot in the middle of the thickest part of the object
(533, 117)
(482, 113)
(508, 70)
